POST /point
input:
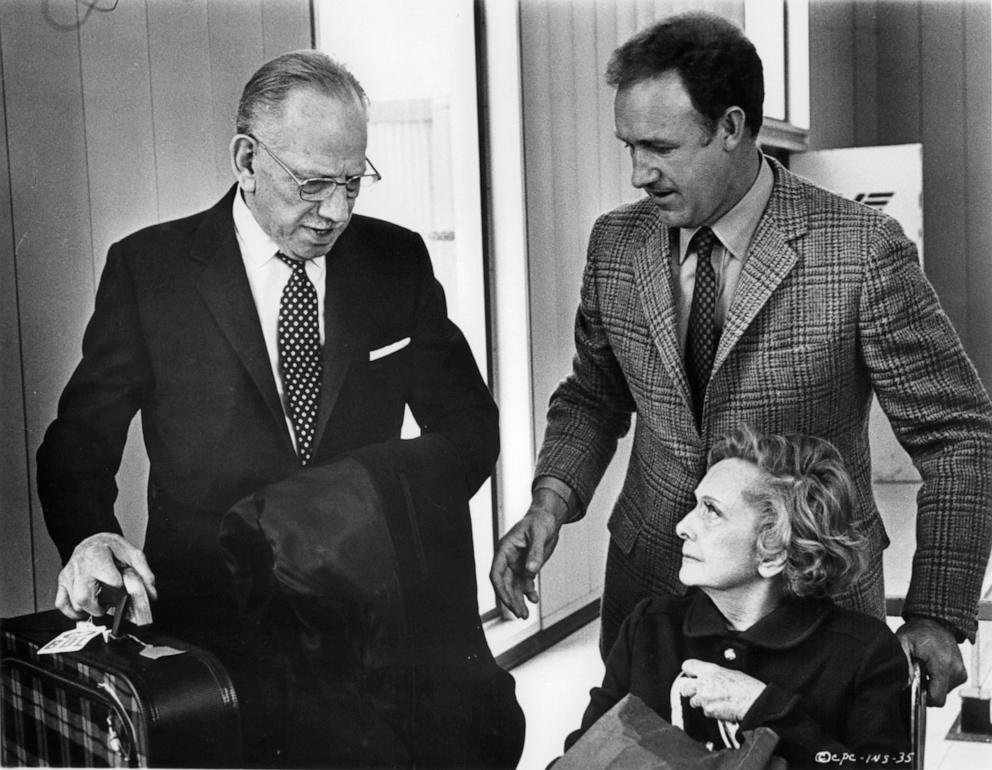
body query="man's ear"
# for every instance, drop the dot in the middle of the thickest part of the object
(243, 161)
(771, 566)
(734, 127)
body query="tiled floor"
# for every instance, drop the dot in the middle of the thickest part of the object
(553, 687)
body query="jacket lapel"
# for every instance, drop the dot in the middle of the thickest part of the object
(224, 287)
(653, 276)
(345, 322)
(770, 259)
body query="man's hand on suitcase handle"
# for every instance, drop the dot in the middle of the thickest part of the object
(105, 559)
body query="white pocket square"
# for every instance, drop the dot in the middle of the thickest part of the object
(385, 351)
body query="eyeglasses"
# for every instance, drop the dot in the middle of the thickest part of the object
(323, 187)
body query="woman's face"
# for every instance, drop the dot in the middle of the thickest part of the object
(719, 535)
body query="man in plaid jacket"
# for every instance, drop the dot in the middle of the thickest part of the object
(819, 302)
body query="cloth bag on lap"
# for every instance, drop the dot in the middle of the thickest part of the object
(631, 736)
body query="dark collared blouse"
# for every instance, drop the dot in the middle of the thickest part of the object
(836, 679)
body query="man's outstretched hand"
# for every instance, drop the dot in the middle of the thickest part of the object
(522, 552)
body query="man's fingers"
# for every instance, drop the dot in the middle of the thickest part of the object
(140, 612)
(937, 689)
(535, 557)
(134, 558)
(64, 604)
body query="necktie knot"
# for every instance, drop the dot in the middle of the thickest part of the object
(702, 241)
(296, 265)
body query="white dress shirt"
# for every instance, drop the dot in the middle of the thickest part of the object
(267, 276)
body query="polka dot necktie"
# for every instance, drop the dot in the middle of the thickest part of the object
(300, 359)
(700, 347)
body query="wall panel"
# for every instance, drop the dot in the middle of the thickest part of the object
(51, 220)
(236, 50)
(182, 108)
(978, 184)
(898, 69)
(832, 67)
(120, 165)
(283, 26)
(16, 566)
(942, 133)
(865, 80)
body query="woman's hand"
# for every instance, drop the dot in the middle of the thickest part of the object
(721, 693)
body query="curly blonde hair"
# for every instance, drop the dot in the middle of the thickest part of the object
(805, 506)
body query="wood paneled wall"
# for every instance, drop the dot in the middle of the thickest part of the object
(901, 71)
(575, 169)
(115, 116)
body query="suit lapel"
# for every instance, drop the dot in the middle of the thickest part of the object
(653, 276)
(224, 286)
(345, 319)
(770, 258)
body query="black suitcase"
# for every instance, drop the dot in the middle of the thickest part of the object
(109, 706)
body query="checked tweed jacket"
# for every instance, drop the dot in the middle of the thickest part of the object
(831, 305)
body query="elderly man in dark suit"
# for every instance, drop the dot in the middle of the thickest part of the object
(736, 292)
(272, 332)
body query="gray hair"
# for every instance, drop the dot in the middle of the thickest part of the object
(268, 88)
(805, 507)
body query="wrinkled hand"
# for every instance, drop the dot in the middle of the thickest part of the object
(722, 693)
(523, 550)
(934, 645)
(108, 559)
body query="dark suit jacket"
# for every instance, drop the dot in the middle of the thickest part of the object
(831, 306)
(175, 335)
(836, 680)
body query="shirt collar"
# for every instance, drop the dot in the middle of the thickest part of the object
(795, 620)
(736, 228)
(257, 247)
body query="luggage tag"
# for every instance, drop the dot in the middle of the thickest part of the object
(77, 638)
(74, 639)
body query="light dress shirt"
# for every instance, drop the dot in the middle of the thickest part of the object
(734, 231)
(267, 276)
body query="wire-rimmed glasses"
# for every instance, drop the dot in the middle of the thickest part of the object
(323, 187)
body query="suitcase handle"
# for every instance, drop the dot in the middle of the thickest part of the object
(118, 598)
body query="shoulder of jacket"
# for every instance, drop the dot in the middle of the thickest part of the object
(860, 629)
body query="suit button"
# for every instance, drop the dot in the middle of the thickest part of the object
(729, 654)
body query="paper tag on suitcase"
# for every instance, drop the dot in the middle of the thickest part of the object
(155, 652)
(74, 639)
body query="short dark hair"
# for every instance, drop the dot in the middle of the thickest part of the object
(805, 505)
(718, 65)
(268, 88)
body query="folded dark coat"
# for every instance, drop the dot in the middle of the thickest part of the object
(373, 555)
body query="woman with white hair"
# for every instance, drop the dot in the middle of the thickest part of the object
(757, 641)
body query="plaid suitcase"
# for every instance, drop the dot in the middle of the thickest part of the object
(109, 706)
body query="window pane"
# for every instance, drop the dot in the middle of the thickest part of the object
(416, 60)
